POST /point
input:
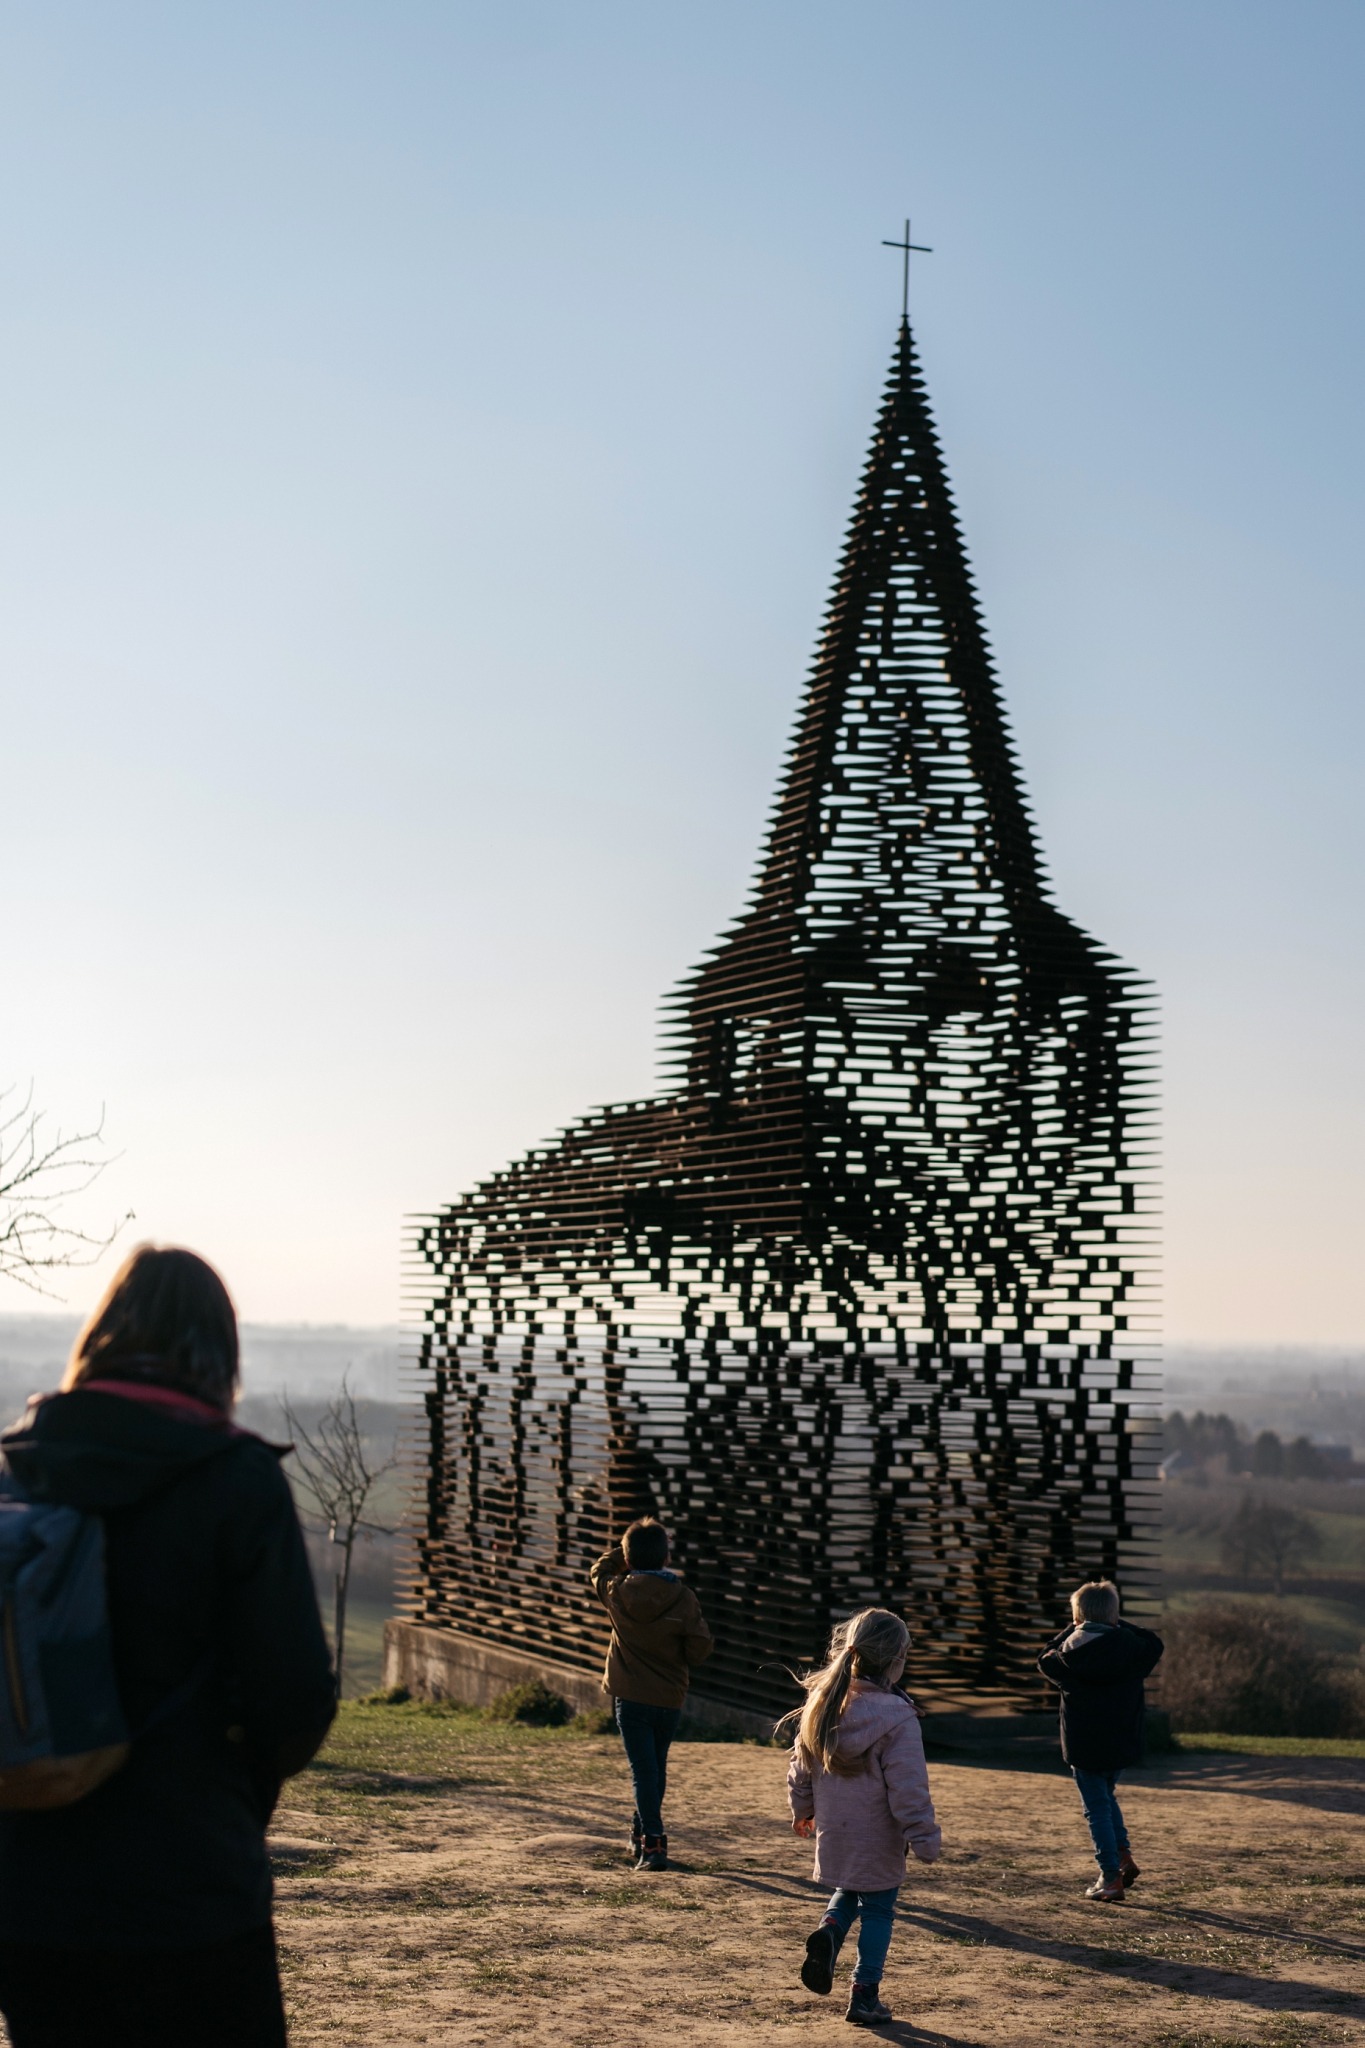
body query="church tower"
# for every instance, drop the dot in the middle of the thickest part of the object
(856, 1307)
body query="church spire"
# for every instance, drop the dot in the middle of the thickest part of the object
(903, 681)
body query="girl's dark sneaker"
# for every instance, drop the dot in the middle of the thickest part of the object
(1128, 1870)
(1107, 1889)
(653, 1853)
(822, 1950)
(865, 2008)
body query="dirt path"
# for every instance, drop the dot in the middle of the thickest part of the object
(490, 1901)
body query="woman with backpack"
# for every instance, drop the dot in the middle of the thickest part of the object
(140, 1911)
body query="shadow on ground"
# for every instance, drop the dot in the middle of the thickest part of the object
(1278, 1994)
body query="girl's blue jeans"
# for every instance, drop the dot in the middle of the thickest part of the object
(646, 1733)
(1105, 1816)
(877, 1911)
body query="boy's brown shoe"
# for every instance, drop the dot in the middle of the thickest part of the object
(1108, 1889)
(653, 1853)
(1128, 1870)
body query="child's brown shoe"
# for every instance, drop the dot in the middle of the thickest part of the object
(653, 1853)
(1108, 1889)
(1128, 1870)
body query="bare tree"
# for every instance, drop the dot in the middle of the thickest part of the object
(1289, 1541)
(338, 1480)
(1262, 1537)
(39, 1171)
(1241, 1544)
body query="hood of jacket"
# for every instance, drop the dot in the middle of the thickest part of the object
(1103, 1656)
(95, 1450)
(870, 1712)
(646, 1596)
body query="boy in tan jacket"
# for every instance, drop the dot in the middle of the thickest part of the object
(657, 1635)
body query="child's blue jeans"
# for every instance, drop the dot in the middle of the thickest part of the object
(646, 1732)
(878, 1911)
(1105, 1816)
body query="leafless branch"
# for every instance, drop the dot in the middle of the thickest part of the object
(38, 1173)
(333, 1467)
(336, 1478)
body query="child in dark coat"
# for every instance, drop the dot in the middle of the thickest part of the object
(1098, 1665)
(657, 1635)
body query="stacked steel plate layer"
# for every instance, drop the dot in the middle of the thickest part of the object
(856, 1306)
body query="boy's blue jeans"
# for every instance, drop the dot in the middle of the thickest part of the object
(1105, 1816)
(878, 1911)
(646, 1733)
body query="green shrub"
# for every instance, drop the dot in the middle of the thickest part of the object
(534, 1703)
(713, 1731)
(596, 1721)
(1247, 1667)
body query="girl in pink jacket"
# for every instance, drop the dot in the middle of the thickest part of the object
(857, 1782)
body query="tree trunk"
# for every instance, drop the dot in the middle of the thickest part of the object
(343, 1584)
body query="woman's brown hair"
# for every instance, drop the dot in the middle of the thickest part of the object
(167, 1319)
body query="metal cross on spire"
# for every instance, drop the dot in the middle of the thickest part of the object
(907, 245)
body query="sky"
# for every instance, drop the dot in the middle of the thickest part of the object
(426, 436)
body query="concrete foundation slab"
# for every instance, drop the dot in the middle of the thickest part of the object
(444, 1663)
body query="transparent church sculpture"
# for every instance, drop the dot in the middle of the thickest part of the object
(857, 1304)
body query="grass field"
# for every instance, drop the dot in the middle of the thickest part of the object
(446, 1879)
(1194, 1520)
(1275, 1745)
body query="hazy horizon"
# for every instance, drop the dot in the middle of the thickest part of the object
(47, 1322)
(1317, 1390)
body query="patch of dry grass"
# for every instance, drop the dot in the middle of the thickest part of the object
(451, 1880)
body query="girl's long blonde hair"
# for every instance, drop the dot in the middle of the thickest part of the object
(867, 1645)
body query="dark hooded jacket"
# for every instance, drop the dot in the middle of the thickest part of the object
(209, 1591)
(1099, 1668)
(657, 1632)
